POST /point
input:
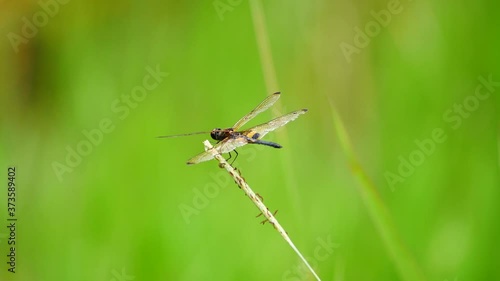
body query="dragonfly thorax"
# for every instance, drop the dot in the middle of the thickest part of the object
(220, 134)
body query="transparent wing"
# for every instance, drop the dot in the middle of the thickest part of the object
(230, 144)
(223, 146)
(268, 102)
(272, 125)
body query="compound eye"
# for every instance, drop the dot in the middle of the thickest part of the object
(215, 133)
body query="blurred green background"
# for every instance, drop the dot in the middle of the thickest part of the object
(130, 209)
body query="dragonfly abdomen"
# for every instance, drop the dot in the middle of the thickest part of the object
(268, 143)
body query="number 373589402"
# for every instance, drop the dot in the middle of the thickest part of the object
(11, 195)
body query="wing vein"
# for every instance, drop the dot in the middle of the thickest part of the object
(264, 105)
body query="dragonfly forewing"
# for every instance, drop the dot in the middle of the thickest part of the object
(268, 102)
(272, 125)
(232, 138)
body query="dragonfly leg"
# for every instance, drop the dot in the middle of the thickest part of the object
(230, 156)
(234, 157)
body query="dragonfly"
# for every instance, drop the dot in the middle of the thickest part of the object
(231, 138)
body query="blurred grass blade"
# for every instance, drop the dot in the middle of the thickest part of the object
(498, 149)
(403, 260)
(266, 57)
(271, 80)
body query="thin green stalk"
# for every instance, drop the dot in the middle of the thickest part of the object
(266, 57)
(498, 149)
(266, 60)
(404, 261)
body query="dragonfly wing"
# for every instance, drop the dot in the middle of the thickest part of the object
(224, 146)
(204, 156)
(268, 102)
(272, 125)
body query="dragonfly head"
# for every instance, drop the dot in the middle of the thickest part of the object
(218, 134)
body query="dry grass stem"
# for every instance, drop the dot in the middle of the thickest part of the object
(256, 199)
